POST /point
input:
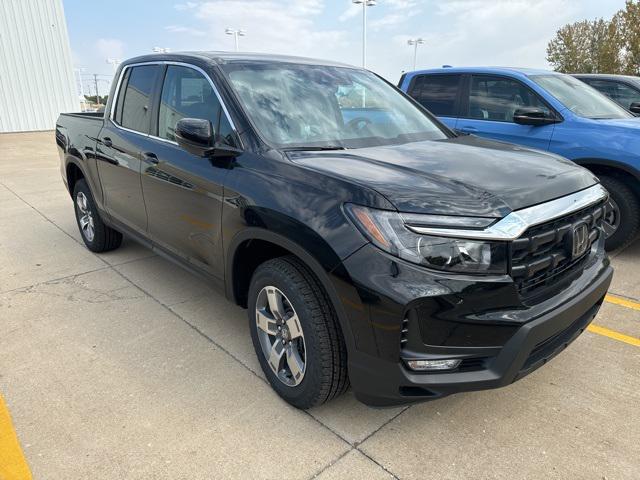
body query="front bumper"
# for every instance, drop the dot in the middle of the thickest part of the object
(500, 338)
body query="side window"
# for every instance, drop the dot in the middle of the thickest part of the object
(497, 98)
(617, 91)
(186, 93)
(135, 107)
(119, 101)
(437, 93)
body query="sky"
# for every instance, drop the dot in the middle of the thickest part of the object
(456, 32)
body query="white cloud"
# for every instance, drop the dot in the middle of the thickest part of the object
(110, 48)
(285, 26)
(188, 30)
(473, 33)
(402, 4)
(352, 10)
(394, 12)
(390, 20)
(185, 6)
(457, 32)
(514, 32)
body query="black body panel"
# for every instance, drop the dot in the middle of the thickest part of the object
(219, 216)
(465, 175)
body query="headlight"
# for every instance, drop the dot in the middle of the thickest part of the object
(388, 231)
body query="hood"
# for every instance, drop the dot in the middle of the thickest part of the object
(465, 175)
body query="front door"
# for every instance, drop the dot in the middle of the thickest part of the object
(492, 102)
(182, 191)
(120, 144)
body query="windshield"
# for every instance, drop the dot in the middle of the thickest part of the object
(295, 105)
(579, 97)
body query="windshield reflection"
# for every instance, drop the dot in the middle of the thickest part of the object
(295, 105)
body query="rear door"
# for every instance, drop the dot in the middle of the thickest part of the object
(120, 144)
(182, 191)
(490, 104)
(439, 93)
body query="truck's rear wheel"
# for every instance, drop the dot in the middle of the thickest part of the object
(97, 236)
(622, 220)
(295, 333)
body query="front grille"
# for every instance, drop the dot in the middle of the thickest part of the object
(542, 258)
(473, 364)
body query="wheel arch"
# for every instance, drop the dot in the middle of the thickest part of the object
(266, 244)
(73, 172)
(625, 173)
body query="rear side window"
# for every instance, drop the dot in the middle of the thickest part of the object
(498, 98)
(437, 93)
(134, 108)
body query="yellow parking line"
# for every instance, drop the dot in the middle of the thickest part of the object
(621, 337)
(622, 301)
(13, 465)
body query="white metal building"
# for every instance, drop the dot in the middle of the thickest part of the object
(36, 72)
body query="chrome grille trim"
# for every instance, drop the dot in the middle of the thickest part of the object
(517, 222)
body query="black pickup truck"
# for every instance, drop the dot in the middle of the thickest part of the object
(371, 245)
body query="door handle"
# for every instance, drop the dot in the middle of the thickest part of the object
(106, 141)
(468, 129)
(150, 157)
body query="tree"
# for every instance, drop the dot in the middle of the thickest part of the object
(629, 19)
(605, 46)
(586, 47)
(568, 50)
(599, 46)
(92, 99)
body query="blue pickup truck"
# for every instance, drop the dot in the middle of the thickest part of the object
(547, 111)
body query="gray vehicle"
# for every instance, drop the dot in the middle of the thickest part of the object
(622, 89)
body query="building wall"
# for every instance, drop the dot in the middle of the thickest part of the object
(36, 72)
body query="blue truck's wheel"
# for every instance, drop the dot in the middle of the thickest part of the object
(622, 221)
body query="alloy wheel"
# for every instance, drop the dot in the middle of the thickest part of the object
(85, 217)
(281, 336)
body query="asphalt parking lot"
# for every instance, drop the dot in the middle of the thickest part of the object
(122, 365)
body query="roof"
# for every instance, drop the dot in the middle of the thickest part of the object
(607, 76)
(495, 70)
(229, 57)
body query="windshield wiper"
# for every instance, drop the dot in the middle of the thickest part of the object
(314, 148)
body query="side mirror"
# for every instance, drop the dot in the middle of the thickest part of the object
(532, 116)
(635, 107)
(195, 135)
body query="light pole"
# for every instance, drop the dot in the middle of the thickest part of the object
(236, 33)
(95, 80)
(115, 62)
(161, 50)
(365, 4)
(415, 42)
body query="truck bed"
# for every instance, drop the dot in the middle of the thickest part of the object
(99, 115)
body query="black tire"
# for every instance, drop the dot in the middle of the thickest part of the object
(104, 238)
(325, 374)
(628, 209)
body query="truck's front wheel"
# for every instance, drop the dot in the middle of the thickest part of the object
(622, 220)
(296, 334)
(97, 236)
